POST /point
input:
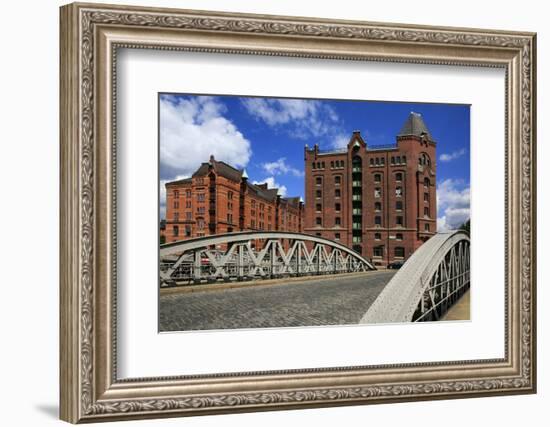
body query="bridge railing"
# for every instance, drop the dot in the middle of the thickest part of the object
(233, 256)
(428, 284)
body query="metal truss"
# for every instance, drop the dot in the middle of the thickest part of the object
(233, 256)
(428, 284)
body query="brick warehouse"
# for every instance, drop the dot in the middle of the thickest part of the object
(378, 200)
(219, 199)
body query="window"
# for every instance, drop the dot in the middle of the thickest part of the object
(371, 162)
(426, 211)
(318, 194)
(398, 191)
(399, 252)
(399, 205)
(337, 207)
(337, 221)
(200, 197)
(188, 193)
(399, 236)
(313, 165)
(399, 176)
(188, 204)
(378, 251)
(382, 161)
(188, 216)
(377, 192)
(176, 194)
(322, 165)
(336, 236)
(318, 207)
(337, 180)
(392, 161)
(426, 227)
(200, 223)
(426, 182)
(377, 161)
(377, 206)
(318, 221)
(398, 160)
(399, 221)
(176, 204)
(337, 192)
(175, 230)
(356, 239)
(377, 236)
(404, 159)
(230, 218)
(426, 197)
(377, 177)
(318, 180)
(187, 231)
(378, 220)
(176, 216)
(332, 165)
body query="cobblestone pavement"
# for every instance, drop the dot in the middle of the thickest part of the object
(337, 301)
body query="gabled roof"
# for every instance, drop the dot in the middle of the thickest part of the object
(221, 168)
(415, 126)
(268, 194)
(293, 201)
(180, 181)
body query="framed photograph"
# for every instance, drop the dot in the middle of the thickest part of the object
(267, 212)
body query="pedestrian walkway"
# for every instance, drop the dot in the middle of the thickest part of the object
(461, 310)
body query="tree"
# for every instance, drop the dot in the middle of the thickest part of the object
(465, 227)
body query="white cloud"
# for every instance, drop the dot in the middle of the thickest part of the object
(270, 181)
(281, 167)
(191, 130)
(452, 156)
(340, 141)
(300, 118)
(453, 204)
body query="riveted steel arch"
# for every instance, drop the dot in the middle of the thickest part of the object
(232, 256)
(429, 283)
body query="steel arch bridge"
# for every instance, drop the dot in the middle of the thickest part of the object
(428, 284)
(233, 256)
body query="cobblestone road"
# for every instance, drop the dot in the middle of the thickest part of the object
(336, 301)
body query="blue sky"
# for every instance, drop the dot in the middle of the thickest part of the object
(267, 137)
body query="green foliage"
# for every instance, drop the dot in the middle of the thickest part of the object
(465, 227)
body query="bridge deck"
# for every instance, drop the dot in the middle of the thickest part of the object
(335, 301)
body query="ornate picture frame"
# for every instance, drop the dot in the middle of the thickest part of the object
(90, 37)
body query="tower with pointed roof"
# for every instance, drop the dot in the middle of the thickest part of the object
(378, 200)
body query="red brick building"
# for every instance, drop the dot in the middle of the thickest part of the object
(219, 199)
(379, 200)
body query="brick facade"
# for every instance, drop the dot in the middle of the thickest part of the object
(219, 199)
(380, 200)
